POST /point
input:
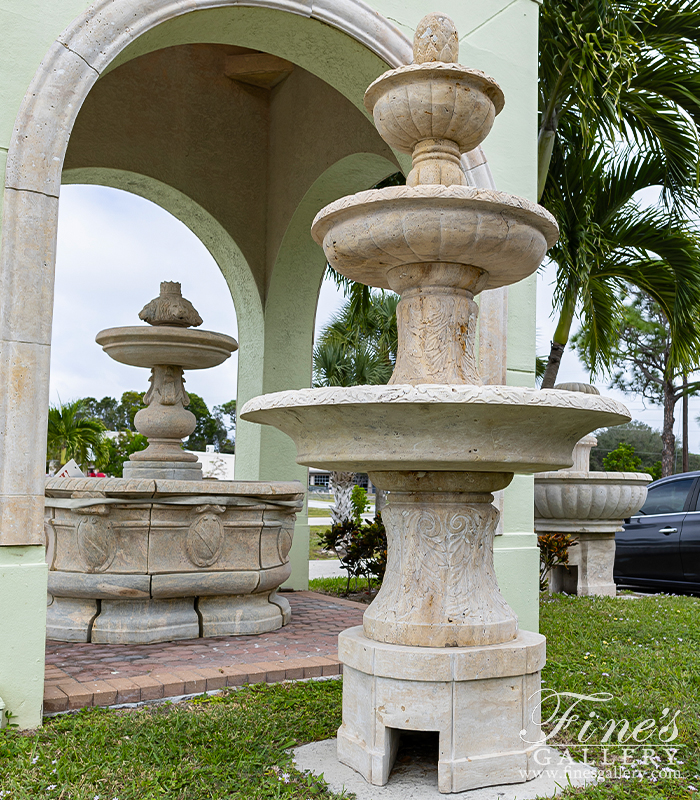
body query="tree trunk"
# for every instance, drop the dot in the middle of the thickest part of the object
(686, 466)
(342, 484)
(550, 374)
(667, 438)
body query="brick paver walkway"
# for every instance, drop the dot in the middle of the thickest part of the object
(80, 675)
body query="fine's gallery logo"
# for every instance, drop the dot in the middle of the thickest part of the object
(586, 736)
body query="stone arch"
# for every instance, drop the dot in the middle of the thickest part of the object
(75, 61)
(205, 226)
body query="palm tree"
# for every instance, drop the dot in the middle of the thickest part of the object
(72, 434)
(609, 242)
(622, 69)
(356, 348)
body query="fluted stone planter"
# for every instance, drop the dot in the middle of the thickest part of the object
(136, 561)
(590, 506)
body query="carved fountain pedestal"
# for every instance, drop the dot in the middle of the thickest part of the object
(439, 648)
(161, 554)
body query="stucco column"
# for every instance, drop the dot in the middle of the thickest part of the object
(26, 295)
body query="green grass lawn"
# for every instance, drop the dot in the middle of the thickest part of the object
(316, 550)
(319, 512)
(644, 652)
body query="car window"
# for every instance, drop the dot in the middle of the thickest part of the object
(667, 498)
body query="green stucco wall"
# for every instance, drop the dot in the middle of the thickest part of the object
(22, 630)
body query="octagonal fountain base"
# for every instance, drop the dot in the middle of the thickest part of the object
(484, 702)
(140, 561)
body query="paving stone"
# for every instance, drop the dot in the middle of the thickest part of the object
(54, 700)
(215, 678)
(78, 695)
(235, 675)
(195, 682)
(151, 689)
(103, 694)
(305, 648)
(127, 690)
(173, 685)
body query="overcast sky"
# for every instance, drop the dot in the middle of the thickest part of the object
(114, 248)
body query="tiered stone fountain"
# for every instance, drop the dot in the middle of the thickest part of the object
(161, 554)
(440, 649)
(591, 506)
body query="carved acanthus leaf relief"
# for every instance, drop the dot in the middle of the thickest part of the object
(452, 549)
(167, 387)
(468, 394)
(436, 341)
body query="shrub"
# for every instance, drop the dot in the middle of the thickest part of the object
(360, 503)
(622, 459)
(361, 548)
(554, 552)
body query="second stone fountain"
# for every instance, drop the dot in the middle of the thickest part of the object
(439, 648)
(161, 553)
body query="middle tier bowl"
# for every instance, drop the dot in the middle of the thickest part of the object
(435, 427)
(366, 234)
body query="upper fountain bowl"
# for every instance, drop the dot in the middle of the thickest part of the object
(434, 100)
(367, 234)
(146, 346)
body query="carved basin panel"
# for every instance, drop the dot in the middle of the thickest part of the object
(589, 495)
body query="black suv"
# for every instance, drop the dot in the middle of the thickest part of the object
(659, 548)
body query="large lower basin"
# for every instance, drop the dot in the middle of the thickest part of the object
(435, 427)
(139, 561)
(366, 234)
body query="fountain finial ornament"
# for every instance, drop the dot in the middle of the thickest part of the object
(440, 648)
(436, 39)
(170, 308)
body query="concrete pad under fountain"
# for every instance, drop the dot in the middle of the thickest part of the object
(440, 649)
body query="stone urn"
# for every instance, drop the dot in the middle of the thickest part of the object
(162, 554)
(590, 506)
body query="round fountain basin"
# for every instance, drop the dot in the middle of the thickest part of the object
(366, 234)
(434, 427)
(147, 346)
(582, 497)
(144, 560)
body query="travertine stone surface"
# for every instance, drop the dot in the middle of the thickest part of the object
(440, 442)
(440, 589)
(480, 699)
(427, 427)
(590, 570)
(367, 233)
(141, 346)
(146, 549)
(437, 246)
(170, 308)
